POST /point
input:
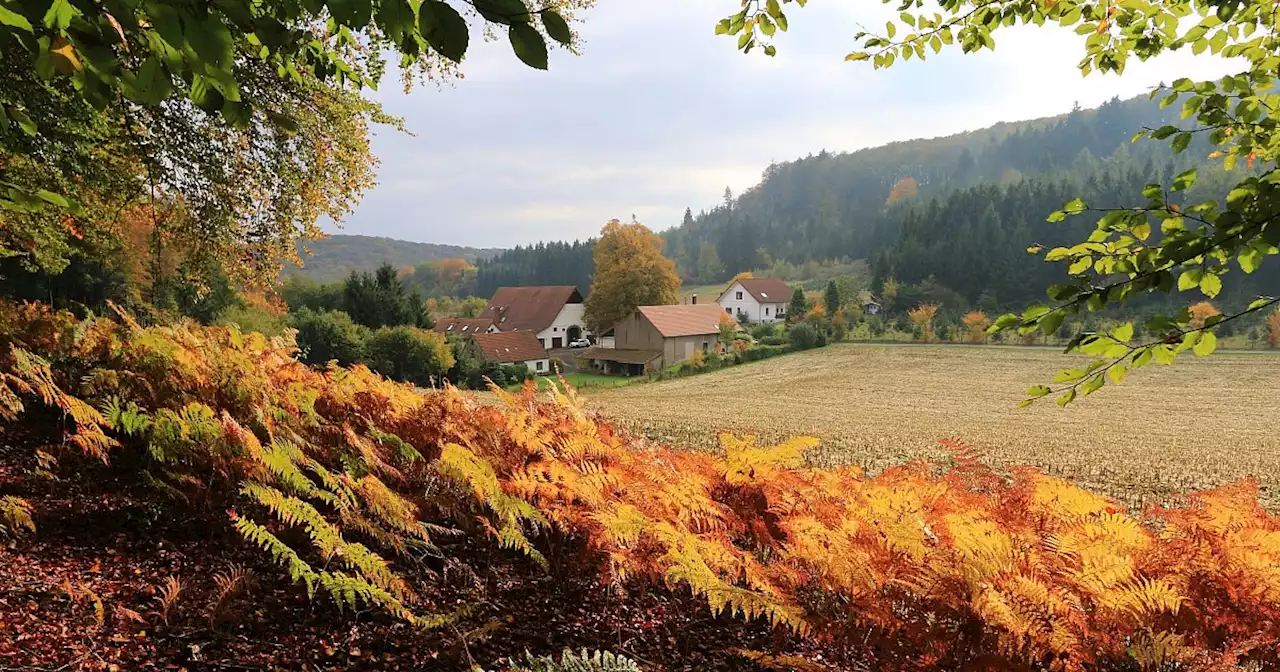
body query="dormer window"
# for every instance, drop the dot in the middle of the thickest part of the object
(739, 296)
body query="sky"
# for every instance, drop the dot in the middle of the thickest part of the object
(658, 114)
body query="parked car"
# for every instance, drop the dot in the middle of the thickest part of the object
(580, 343)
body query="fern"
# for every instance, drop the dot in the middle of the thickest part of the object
(15, 516)
(599, 661)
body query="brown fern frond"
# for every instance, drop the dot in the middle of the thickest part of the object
(170, 594)
(236, 579)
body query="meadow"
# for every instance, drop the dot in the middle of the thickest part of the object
(1162, 432)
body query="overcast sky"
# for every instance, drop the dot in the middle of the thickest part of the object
(659, 113)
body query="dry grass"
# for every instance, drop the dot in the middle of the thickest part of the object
(1164, 431)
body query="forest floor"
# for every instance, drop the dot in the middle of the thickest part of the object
(85, 593)
(1163, 431)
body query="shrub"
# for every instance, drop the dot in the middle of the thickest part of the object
(254, 318)
(804, 336)
(556, 364)
(328, 335)
(774, 340)
(409, 354)
(976, 323)
(922, 317)
(761, 331)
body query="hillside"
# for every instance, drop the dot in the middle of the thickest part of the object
(336, 256)
(950, 218)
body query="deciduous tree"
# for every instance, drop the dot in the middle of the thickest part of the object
(922, 316)
(630, 271)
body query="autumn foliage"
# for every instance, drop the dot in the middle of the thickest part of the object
(927, 565)
(922, 316)
(1273, 329)
(904, 188)
(1201, 312)
(976, 322)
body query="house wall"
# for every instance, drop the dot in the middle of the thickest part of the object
(542, 366)
(634, 332)
(676, 350)
(749, 306)
(569, 316)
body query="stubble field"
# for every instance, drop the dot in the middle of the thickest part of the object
(1165, 430)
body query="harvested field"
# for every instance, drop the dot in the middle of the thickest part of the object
(1163, 431)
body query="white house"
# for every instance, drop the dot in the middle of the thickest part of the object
(513, 347)
(554, 314)
(757, 300)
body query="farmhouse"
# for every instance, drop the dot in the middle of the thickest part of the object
(757, 300)
(656, 337)
(465, 325)
(513, 347)
(552, 313)
(868, 302)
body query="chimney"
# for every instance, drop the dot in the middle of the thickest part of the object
(694, 300)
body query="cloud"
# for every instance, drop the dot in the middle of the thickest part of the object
(659, 114)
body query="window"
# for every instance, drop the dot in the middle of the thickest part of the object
(540, 364)
(766, 312)
(555, 328)
(739, 296)
(706, 346)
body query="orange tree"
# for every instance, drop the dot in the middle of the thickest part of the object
(630, 271)
(1160, 243)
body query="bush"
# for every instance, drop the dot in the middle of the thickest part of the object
(761, 331)
(253, 318)
(409, 354)
(328, 335)
(774, 340)
(763, 352)
(804, 336)
(556, 366)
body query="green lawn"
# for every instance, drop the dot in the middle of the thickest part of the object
(581, 380)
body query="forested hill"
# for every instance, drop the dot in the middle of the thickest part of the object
(955, 212)
(846, 204)
(336, 256)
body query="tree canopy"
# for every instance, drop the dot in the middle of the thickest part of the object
(630, 271)
(1159, 243)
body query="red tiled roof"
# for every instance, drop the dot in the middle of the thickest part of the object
(767, 290)
(510, 346)
(463, 325)
(684, 320)
(529, 308)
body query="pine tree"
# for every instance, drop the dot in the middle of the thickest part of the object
(799, 305)
(831, 298)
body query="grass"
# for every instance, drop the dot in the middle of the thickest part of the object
(1163, 431)
(586, 381)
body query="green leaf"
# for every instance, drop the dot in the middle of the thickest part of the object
(1093, 384)
(1191, 105)
(770, 50)
(50, 197)
(1190, 278)
(59, 15)
(1141, 231)
(528, 45)
(558, 29)
(1259, 303)
(10, 18)
(1123, 333)
(890, 29)
(1180, 142)
(722, 28)
(1080, 265)
(445, 29)
(1038, 391)
(1183, 84)
(1006, 321)
(1067, 398)
(1075, 206)
(1117, 373)
(1184, 180)
(1206, 345)
(396, 19)
(211, 41)
(24, 121)
(1142, 359)
(1056, 216)
(858, 56)
(1211, 285)
(506, 12)
(1070, 375)
(1050, 323)
(351, 13)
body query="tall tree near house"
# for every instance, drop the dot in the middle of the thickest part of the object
(799, 305)
(630, 272)
(1200, 241)
(831, 297)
